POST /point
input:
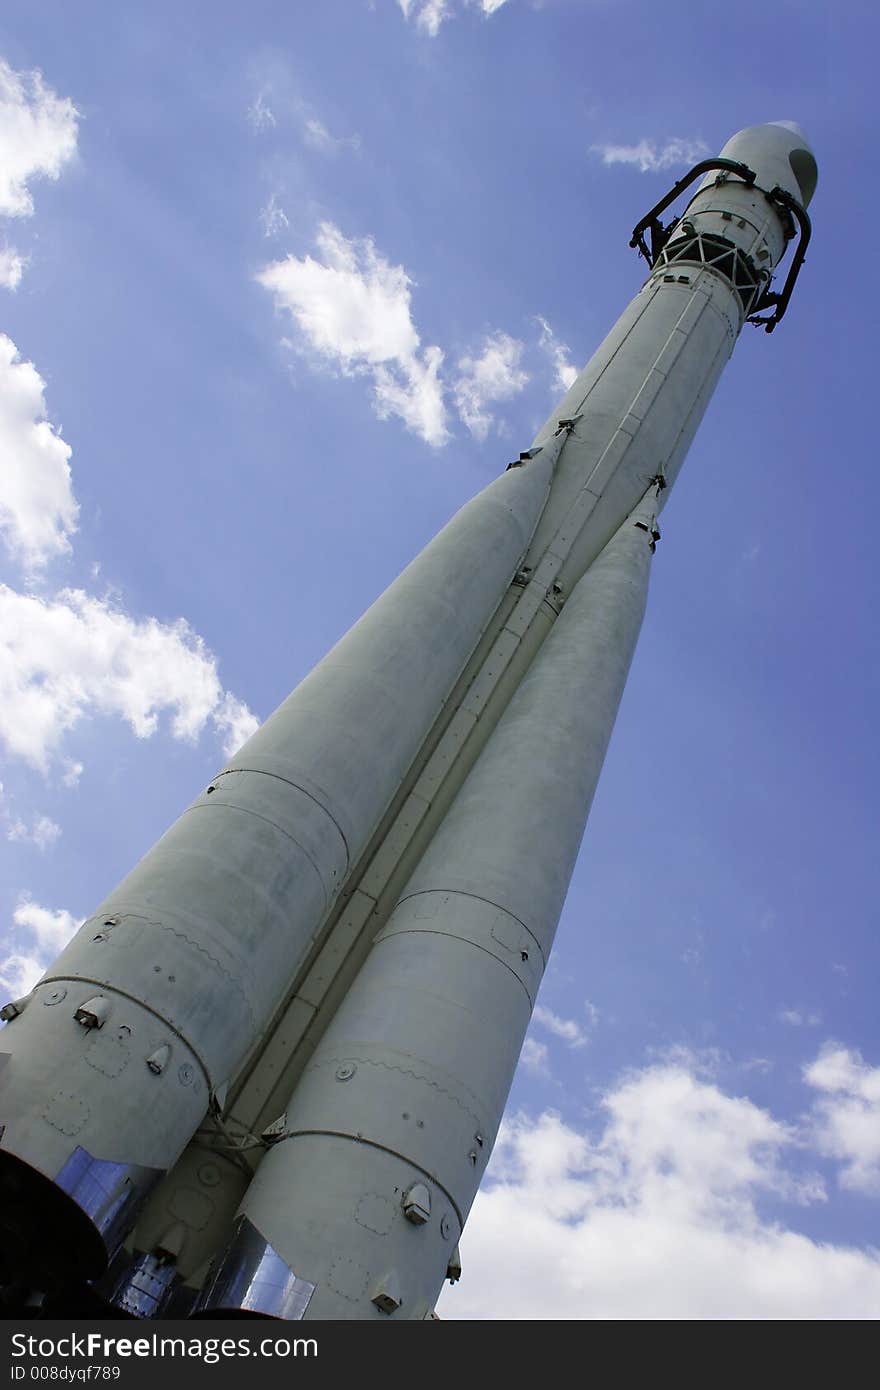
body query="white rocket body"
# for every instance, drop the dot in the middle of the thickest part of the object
(346, 932)
(195, 948)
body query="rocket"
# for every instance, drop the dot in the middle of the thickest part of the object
(265, 1077)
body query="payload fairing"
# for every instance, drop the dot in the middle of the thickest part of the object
(266, 1075)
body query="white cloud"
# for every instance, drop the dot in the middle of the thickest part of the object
(273, 218)
(430, 14)
(38, 510)
(232, 718)
(416, 396)
(41, 934)
(693, 954)
(566, 1028)
(50, 931)
(762, 1065)
(704, 1062)
(352, 308)
(43, 831)
(352, 305)
(799, 1018)
(72, 772)
(493, 376)
(847, 1114)
(37, 136)
(658, 1216)
(565, 371)
(316, 134)
(289, 106)
(11, 268)
(19, 973)
(260, 115)
(650, 157)
(73, 656)
(535, 1058)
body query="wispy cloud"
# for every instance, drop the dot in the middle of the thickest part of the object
(316, 134)
(535, 1058)
(38, 511)
(353, 309)
(799, 1018)
(848, 1114)
(260, 114)
(273, 217)
(38, 135)
(39, 934)
(650, 157)
(50, 931)
(72, 772)
(42, 832)
(428, 15)
(494, 375)
(568, 1029)
(11, 268)
(38, 131)
(280, 104)
(565, 372)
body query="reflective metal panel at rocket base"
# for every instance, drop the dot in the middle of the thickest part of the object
(265, 1077)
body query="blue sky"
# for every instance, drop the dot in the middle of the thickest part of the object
(283, 286)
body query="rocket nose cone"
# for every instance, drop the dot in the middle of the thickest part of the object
(780, 153)
(793, 126)
(801, 159)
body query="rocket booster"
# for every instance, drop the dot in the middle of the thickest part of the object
(266, 1076)
(188, 957)
(392, 1122)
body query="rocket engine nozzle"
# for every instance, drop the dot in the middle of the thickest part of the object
(88, 1127)
(55, 1232)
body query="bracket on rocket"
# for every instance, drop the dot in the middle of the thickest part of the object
(651, 220)
(780, 300)
(660, 234)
